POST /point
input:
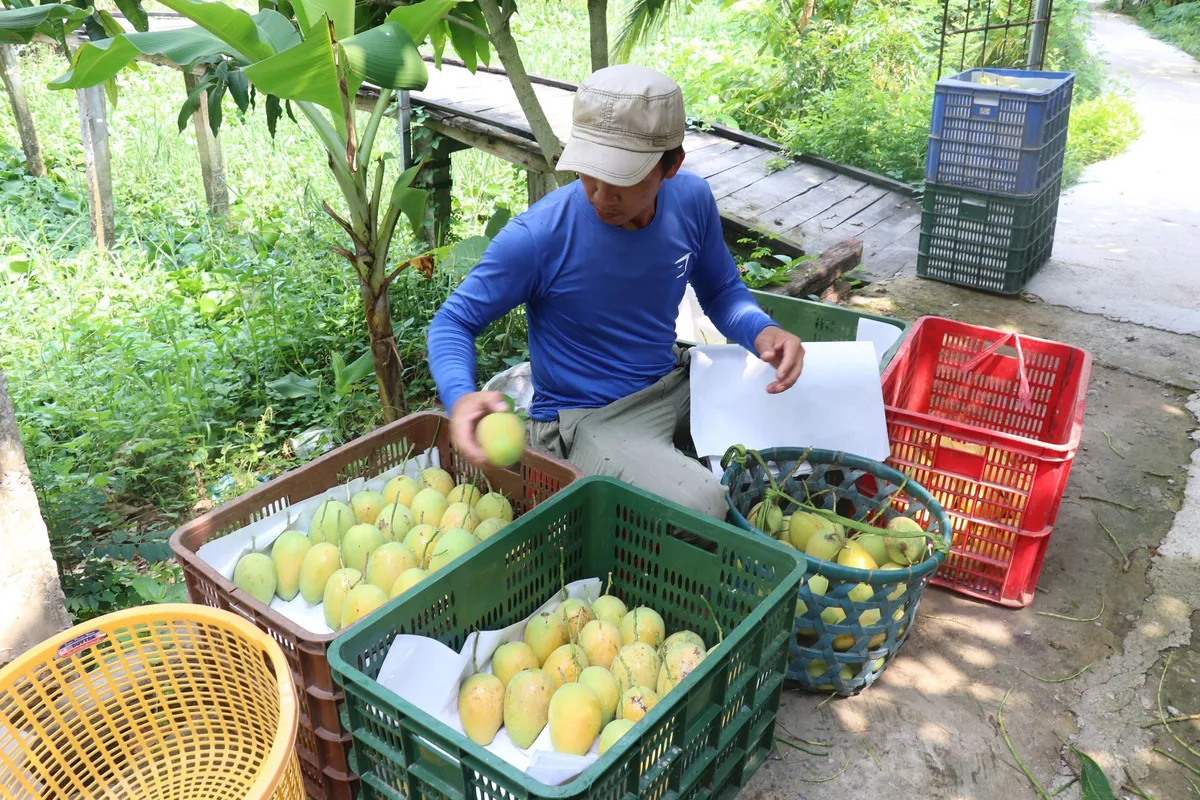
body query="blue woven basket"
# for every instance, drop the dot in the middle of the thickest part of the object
(847, 655)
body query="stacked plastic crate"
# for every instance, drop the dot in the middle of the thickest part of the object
(994, 169)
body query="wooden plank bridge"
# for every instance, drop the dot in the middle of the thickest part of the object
(805, 205)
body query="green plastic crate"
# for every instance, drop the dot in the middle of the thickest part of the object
(814, 321)
(704, 739)
(985, 241)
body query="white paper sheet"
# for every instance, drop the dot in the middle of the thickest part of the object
(692, 326)
(428, 674)
(879, 334)
(223, 554)
(837, 404)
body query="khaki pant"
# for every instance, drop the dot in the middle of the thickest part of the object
(640, 439)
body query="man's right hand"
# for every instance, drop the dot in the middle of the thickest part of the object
(465, 415)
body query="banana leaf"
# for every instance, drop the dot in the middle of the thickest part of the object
(20, 25)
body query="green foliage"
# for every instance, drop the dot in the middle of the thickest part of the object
(1093, 783)
(147, 381)
(1177, 23)
(1100, 129)
(765, 267)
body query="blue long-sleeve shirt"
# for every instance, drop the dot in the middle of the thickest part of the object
(601, 300)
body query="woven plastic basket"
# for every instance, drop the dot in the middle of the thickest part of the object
(162, 701)
(842, 643)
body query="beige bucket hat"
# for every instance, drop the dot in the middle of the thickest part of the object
(624, 118)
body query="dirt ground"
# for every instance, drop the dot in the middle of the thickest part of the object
(928, 728)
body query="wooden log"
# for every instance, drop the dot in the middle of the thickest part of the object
(833, 261)
(501, 144)
(540, 184)
(35, 164)
(93, 126)
(212, 162)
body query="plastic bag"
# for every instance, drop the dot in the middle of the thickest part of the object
(517, 383)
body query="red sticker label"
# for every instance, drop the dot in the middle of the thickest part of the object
(81, 642)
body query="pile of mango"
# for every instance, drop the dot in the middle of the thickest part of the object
(357, 555)
(586, 670)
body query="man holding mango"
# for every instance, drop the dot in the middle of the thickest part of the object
(601, 266)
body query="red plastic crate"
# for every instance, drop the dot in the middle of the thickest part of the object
(989, 423)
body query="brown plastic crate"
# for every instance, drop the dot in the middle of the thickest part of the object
(322, 744)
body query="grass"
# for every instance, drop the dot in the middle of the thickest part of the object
(147, 380)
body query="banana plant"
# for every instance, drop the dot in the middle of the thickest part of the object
(317, 65)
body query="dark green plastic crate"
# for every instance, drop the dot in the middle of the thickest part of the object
(704, 739)
(814, 321)
(985, 241)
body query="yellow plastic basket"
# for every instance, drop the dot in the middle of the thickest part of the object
(163, 702)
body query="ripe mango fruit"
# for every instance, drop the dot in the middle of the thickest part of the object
(492, 505)
(636, 664)
(575, 719)
(254, 574)
(418, 540)
(489, 528)
(428, 507)
(502, 437)
(449, 546)
(527, 705)
(401, 490)
(408, 579)
(566, 664)
(437, 479)
(612, 732)
(387, 563)
(636, 703)
(339, 585)
(643, 624)
(394, 522)
(576, 614)
(481, 707)
(459, 515)
(287, 554)
(362, 600)
(610, 609)
(512, 657)
(607, 690)
(366, 506)
(358, 543)
(331, 520)
(545, 633)
(319, 564)
(464, 493)
(601, 640)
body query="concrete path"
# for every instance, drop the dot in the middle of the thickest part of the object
(1128, 249)
(1128, 239)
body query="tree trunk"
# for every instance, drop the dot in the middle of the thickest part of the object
(30, 592)
(34, 163)
(510, 57)
(598, 30)
(389, 371)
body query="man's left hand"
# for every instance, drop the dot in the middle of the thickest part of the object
(784, 352)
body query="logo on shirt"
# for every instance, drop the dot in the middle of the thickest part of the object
(682, 263)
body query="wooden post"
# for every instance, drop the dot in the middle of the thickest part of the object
(93, 125)
(212, 162)
(34, 163)
(540, 184)
(435, 177)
